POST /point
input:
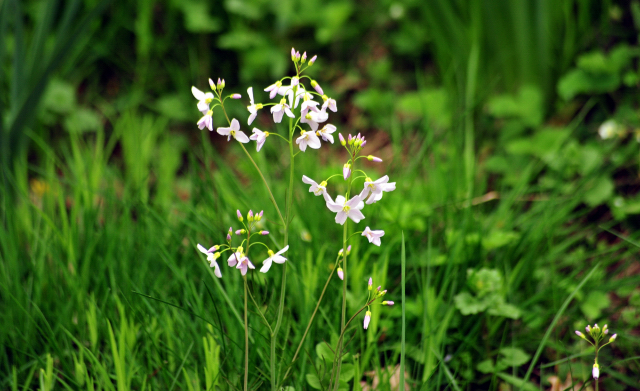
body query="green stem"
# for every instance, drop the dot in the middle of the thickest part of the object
(246, 338)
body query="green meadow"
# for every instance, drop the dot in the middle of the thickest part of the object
(511, 129)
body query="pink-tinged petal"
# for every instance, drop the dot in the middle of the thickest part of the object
(235, 125)
(216, 271)
(199, 95)
(367, 319)
(340, 200)
(327, 197)
(340, 273)
(313, 141)
(202, 249)
(240, 136)
(341, 217)
(252, 117)
(356, 215)
(308, 180)
(250, 93)
(335, 206)
(224, 131)
(203, 107)
(289, 113)
(260, 143)
(232, 261)
(279, 259)
(353, 202)
(273, 93)
(266, 265)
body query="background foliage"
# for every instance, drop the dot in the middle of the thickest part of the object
(520, 222)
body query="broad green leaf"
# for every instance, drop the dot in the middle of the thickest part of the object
(513, 357)
(594, 303)
(313, 381)
(486, 366)
(599, 191)
(468, 304)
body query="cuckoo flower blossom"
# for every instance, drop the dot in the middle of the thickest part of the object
(244, 264)
(273, 89)
(346, 209)
(277, 258)
(373, 236)
(314, 118)
(317, 189)
(374, 189)
(234, 131)
(367, 319)
(308, 139)
(330, 103)
(204, 99)
(211, 257)
(326, 131)
(253, 108)
(280, 109)
(260, 137)
(308, 103)
(206, 121)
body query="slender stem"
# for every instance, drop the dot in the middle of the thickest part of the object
(295, 355)
(246, 338)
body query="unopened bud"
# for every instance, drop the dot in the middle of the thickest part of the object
(348, 249)
(260, 215)
(250, 215)
(212, 84)
(239, 215)
(596, 371)
(236, 96)
(223, 83)
(346, 171)
(293, 54)
(372, 158)
(613, 337)
(216, 256)
(295, 81)
(579, 334)
(384, 292)
(340, 273)
(313, 59)
(264, 233)
(219, 86)
(342, 140)
(367, 319)
(228, 237)
(388, 302)
(304, 57)
(370, 284)
(297, 56)
(241, 232)
(316, 86)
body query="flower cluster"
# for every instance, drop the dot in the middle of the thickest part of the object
(239, 258)
(597, 336)
(373, 296)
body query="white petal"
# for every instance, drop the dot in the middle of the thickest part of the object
(266, 265)
(250, 93)
(216, 271)
(308, 180)
(235, 125)
(356, 215)
(199, 95)
(240, 136)
(224, 131)
(341, 217)
(202, 249)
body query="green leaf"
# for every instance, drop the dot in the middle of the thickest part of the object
(346, 372)
(486, 366)
(594, 303)
(599, 191)
(313, 381)
(197, 18)
(82, 120)
(500, 308)
(484, 281)
(324, 352)
(59, 97)
(468, 304)
(527, 105)
(433, 104)
(513, 357)
(497, 238)
(518, 382)
(579, 81)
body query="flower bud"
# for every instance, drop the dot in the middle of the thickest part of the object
(293, 54)
(214, 248)
(260, 215)
(596, 371)
(613, 338)
(297, 56)
(340, 273)
(228, 237)
(219, 87)
(348, 249)
(342, 140)
(313, 59)
(212, 84)
(304, 57)
(223, 83)
(350, 141)
(250, 216)
(264, 233)
(363, 143)
(384, 292)
(370, 284)
(295, 81)
(579, 334)
(316, 86)
(372, 158)
(346, 171)
(236, 96)
(588, 328)
(241, 232)
(388, 302)
(367, 319)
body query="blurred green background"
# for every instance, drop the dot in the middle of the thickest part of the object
(520, 220)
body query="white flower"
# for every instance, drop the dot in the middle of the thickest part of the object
(308, 139)
(596, 371)
(253, 109)
(314, 118)
(330, 103)
(211, 257)
(374, 189)
(293, 93)
(259, 136)
(277, 258)
(203, 99)
(273, 89)
(609, 129)
(234, 131)
(326, 131)
(235, 257)
(346, 209)
(244, 264)
(317, 189)
(206, 121)
(367, 319)
(280, 109)
(373, 236)
(308, 103)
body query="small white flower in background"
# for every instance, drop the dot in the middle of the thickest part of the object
(346, 171)
(317, 189)
(340, 273)
(204, 99)
(277, 258)
(373, 236)
(596, 371)
(609, 129)
(330, 103)
(280, 109)
(346, 209)
(244, 264)
(234, 131)
(367, 319)
(253, 108)
(273, 89)
(314, 118)
(259, 137)
(308, 139)
(374, 189)
(206, 121)
(326, 131)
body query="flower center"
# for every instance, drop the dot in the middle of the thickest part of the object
(233, 133)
